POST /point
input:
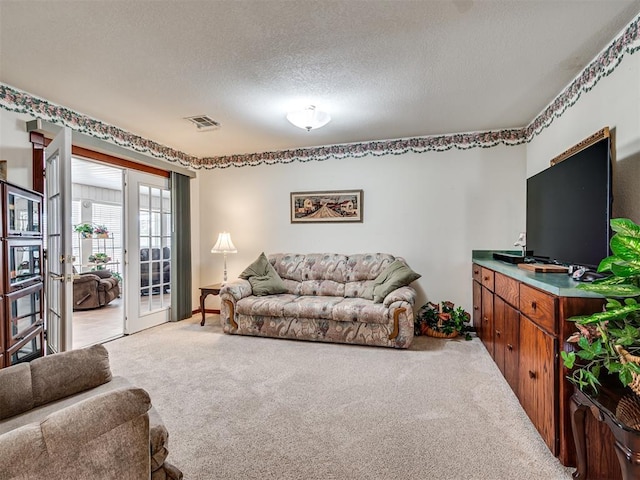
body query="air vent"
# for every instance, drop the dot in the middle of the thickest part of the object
(203, 122)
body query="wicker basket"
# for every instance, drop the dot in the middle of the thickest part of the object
(628, 410)
(434, 333)
(627, 357)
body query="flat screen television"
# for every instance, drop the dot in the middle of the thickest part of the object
(569, 208)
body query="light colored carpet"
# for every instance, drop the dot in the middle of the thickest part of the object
(259, 408)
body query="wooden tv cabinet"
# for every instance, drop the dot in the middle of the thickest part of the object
(521, 318)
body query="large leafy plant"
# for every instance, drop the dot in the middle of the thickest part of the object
(618, 324)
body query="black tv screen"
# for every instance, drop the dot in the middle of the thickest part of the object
(569, 208)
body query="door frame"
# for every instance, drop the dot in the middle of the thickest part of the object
(59, 266)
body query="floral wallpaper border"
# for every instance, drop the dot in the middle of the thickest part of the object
(628, 42)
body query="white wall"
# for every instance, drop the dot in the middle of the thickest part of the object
(15, 147)
(613, 102)
(432, 209)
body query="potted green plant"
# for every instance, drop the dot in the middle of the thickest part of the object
(100, 259)
(84, 229)
(610, 340)
(443, 321)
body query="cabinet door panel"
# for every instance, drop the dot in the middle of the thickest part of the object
(499, 310)
(487, 320)
(536, 379)
(511, 335)
(477, 308)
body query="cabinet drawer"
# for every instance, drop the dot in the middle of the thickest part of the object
(508, 289)
(487, 278)
(477, 272)
(539, 307)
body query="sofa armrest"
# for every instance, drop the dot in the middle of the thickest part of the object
(402, 294)
(236, 290)
(105, 433)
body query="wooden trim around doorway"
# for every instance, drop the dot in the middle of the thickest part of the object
(39, 142)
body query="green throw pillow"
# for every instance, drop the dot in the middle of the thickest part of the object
(396, 275)
(259, 267)
(263, 277)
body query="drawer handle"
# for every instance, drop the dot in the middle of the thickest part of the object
(534, 305)
(509, 347)
(475, 307)
(498, 333)
(20, 338)
(486, 279)
(532, 374)
(476, 272)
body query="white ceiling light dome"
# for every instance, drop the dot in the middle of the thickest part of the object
(309, 118)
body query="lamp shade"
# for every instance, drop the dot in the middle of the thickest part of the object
(224, 244)
(309, 118)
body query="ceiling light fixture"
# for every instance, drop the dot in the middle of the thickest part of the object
(309, 118)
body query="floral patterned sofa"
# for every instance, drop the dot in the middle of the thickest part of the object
(324, 301)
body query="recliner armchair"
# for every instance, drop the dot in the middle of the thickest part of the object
(160, 270)
(94, 289)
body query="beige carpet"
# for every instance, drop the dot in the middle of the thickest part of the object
(257, 408)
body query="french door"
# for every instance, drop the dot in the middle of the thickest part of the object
(148, 266)
(59, 268)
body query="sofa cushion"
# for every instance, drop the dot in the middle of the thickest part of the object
(270, 306)
(396, 275)
(311, 307)
(357, 289)
(70, 372)
(322, 287)
(15, 395)
(367, 266)
(39, 413)
(360, 310)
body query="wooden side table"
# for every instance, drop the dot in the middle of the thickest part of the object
(204, 293)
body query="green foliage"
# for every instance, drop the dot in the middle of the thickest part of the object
(85, 228)
(618, 324)
(445, 318)
(99, 258)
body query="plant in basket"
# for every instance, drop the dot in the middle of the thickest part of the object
(610, 340)
(101, 231)
(443, 321)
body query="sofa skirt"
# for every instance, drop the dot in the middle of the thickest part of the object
(323, 330)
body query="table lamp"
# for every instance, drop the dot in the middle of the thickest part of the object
(224, 245)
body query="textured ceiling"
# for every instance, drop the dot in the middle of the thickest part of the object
(383, 69)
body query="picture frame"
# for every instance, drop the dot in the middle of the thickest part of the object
(330, 206)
